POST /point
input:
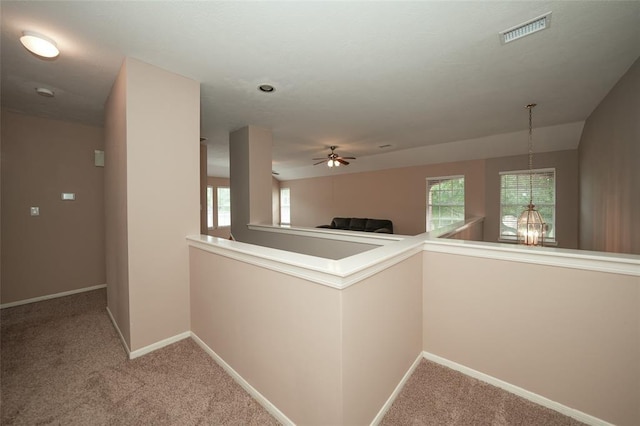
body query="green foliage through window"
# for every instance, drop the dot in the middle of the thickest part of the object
(515, 195)
(445, 201)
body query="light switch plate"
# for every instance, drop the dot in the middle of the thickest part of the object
(98, 158)
(68, 196)
(35, 211)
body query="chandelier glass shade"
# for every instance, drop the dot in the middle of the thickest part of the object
(531, 226)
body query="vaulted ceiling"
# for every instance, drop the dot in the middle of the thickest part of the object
(431, 80)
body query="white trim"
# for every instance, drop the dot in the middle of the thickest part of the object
(372, 238)
(160, 344)
(383, 411)
(115, 325)
(338, 274)
(533, 397)
(51, 296)
(616, 263)
(272, 409)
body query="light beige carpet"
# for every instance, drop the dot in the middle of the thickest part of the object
(62, 363)
(437, 395)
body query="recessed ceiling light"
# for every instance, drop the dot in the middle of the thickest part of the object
(45, 92)
(39, 45)
(531, 26)
(266, 88)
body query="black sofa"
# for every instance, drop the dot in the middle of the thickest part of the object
(360, 224)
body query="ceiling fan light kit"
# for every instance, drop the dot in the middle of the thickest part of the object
(334, 160)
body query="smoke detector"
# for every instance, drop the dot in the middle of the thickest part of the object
(526, 28)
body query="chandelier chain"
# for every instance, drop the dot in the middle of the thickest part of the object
(530, 107)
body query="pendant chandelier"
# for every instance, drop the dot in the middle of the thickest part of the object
(531, 227)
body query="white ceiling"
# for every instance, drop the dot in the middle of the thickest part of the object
(429, 78)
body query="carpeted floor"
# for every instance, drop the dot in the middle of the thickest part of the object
(437, 395)
(62, 363)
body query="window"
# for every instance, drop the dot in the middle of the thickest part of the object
(285, 206)
(445, 201)
(514, 198)
(210, 207)
(224, 206)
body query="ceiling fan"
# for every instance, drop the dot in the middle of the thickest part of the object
(333, 159)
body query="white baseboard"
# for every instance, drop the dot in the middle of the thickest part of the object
(378, 418)
(51, 296)
(115, 325)
(533, 397)
(272, 409)
(157, 345)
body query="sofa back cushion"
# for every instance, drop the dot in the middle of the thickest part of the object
(357, 224)
(379, 225)
(340, 222)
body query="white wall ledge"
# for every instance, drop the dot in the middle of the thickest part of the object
(393, 249)
(331, 234)
(338, 274)
(625, 264)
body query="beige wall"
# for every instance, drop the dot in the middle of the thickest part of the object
(250, 175)
(610, 170)
(323, 356)
(566, 165)
(63, 248)
(155, 115)
(381, 337)
(400, 194)
(280, 333)
(203, 189)
(570, 335)
(115, 198)
(395, 194)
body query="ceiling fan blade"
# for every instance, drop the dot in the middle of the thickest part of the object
(323, 158)
(348, 158)
(341, 161)
(320, 162)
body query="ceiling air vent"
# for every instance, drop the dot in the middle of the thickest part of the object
(532, 26)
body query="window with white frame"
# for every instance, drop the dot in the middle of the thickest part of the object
(515, 195)
(285, 206)
(445, 201)
(210, 207)
(223, 206)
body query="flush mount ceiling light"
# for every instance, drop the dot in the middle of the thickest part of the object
(45, 92)
(39, 45)
(266, 88)
(526, 28)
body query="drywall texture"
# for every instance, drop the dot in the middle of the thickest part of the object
(395, 194)
(250, 175)
(278, 332)
(115, 196)
(400, 194)
(609, 154)
(322, 356)
(381, 337)
(152, 119)
(62, 249)
(570, 335)
(163, 184)
(566, 165)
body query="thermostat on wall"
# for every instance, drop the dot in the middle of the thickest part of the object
(68, 196)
